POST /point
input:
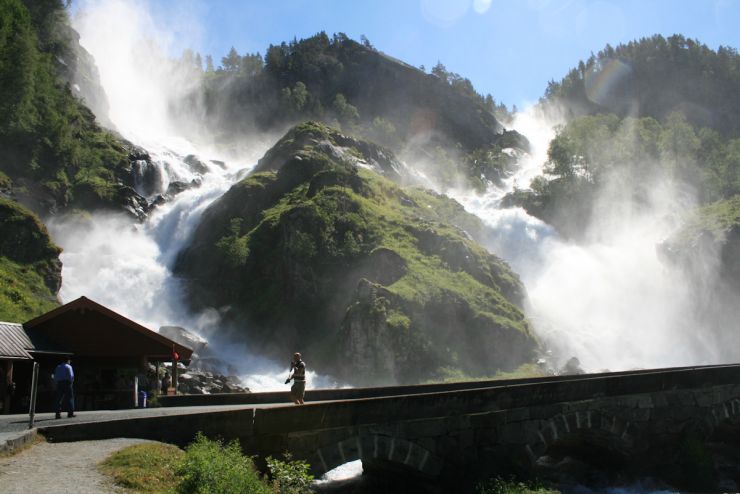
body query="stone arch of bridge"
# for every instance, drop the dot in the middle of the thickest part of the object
(724, 419)
(581, 433)
(377, 448)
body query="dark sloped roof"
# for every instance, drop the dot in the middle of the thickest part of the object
(14, 342)
(72, 321)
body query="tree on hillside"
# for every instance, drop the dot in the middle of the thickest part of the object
(231, 61)
(440, 71)
(345, 111)
(251, 64)
(297, 97)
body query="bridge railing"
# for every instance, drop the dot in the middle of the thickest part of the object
(362, 411)
(313, 395)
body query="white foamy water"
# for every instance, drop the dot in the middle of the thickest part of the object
(349, 470)
(126, 265)
(609, 300)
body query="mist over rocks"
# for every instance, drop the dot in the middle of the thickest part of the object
(707, 249)
(713, 232)
(317, 251)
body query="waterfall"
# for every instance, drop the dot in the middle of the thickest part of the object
(608, 300)
(126, 265)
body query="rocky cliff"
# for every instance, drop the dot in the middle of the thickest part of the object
(55, 156)
(30, 270)
(319, 250)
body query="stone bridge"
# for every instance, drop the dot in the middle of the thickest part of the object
(628, 424)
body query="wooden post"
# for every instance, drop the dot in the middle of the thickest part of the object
(174, 374)
(136, 391)
(7, 383)
(34, 391)
(157, 380)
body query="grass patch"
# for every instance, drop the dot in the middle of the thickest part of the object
(149, 467)
(522, 372)
(23, 293)
(454, 375)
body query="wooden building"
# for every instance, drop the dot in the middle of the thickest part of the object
(107, 350)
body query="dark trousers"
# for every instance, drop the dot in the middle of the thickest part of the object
(64, 389)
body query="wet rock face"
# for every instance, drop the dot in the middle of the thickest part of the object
(366, 341)
(147, 177)
(205, 374)
(196, 164)
(197, 381)
(184, 337)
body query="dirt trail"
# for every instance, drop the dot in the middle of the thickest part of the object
(60, 468)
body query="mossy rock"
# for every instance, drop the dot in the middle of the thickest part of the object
(313, 249)
(30, 269)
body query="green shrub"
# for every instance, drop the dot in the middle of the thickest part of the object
(290, 476)
(511, 486)
(210, 467)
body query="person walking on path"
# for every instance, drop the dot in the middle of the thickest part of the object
(298, 368)
(64, 377)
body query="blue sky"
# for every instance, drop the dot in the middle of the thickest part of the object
(508, 48)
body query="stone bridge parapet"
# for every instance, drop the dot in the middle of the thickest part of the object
(633, 423)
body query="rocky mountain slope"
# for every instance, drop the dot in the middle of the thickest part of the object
(30, 270)
(55, 155)
(317, 250)
(437, 117)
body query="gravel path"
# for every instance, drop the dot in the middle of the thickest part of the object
(60, 467)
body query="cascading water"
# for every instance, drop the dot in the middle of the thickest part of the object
(124, 264)
(610, 301)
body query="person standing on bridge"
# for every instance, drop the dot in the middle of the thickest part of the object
(64, 378)
(298, 369)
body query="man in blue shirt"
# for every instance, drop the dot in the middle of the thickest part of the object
(64, 376)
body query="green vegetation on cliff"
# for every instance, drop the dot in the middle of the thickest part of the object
(631, 155)
(654, 77)
(30, 271)
(53, 152)
(654, 111)
(715, 220)
(436, 117)
(316, 251)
